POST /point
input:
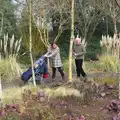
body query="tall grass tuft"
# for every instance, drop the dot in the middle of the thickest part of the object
(110, 45)
(9, 46)
(9, 50)
(9, 68)
(109, 63)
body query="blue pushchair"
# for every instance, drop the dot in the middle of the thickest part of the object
(40, 69)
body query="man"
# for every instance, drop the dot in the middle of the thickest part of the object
(54, 55)
(79, 52)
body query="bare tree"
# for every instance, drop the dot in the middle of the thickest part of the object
(45, 10)
(110, 8)
(118, 3)
(87, 17)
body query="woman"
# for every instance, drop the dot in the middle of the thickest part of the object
(54, 55)
(79, 52)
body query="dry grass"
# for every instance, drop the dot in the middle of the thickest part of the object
(10, 68)
(62, 92)
(14, 94)
(108, 80)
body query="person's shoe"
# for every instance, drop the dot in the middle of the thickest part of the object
(23, 83)
(38, 82)
(85, 79)
(53, 79)
(63, 77)
(42, 82)
(77, 79)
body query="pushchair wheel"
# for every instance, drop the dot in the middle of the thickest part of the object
(38, 79)
(22, 83)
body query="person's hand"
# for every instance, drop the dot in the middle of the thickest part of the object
(74, 54)
(45, 55)
(49, 56)
(35, 65)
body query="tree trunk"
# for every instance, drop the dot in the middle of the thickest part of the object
(0, 89)
(0, 83)
(1, 29)
(30, 42)
(118, 50)
(115, 37)
(119, 87)
(118, 3)
(48, 64)
(107, 25)
(71, 40)
(115, 27)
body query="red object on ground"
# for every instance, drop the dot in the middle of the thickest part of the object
(45, 75)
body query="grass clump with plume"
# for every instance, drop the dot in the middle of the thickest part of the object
(109, 63)
(9, 68)
(9, 51)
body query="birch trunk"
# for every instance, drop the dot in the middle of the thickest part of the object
(1, 29)
(30, 41)
(119, 88)
(71, 41)
(115, 37)
(118, 48)
(0, 83)
(0, 89)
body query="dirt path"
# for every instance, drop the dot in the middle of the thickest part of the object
(6, 85)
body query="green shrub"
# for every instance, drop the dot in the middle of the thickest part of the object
(109, 63)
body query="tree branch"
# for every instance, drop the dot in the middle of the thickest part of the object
(116, 1)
